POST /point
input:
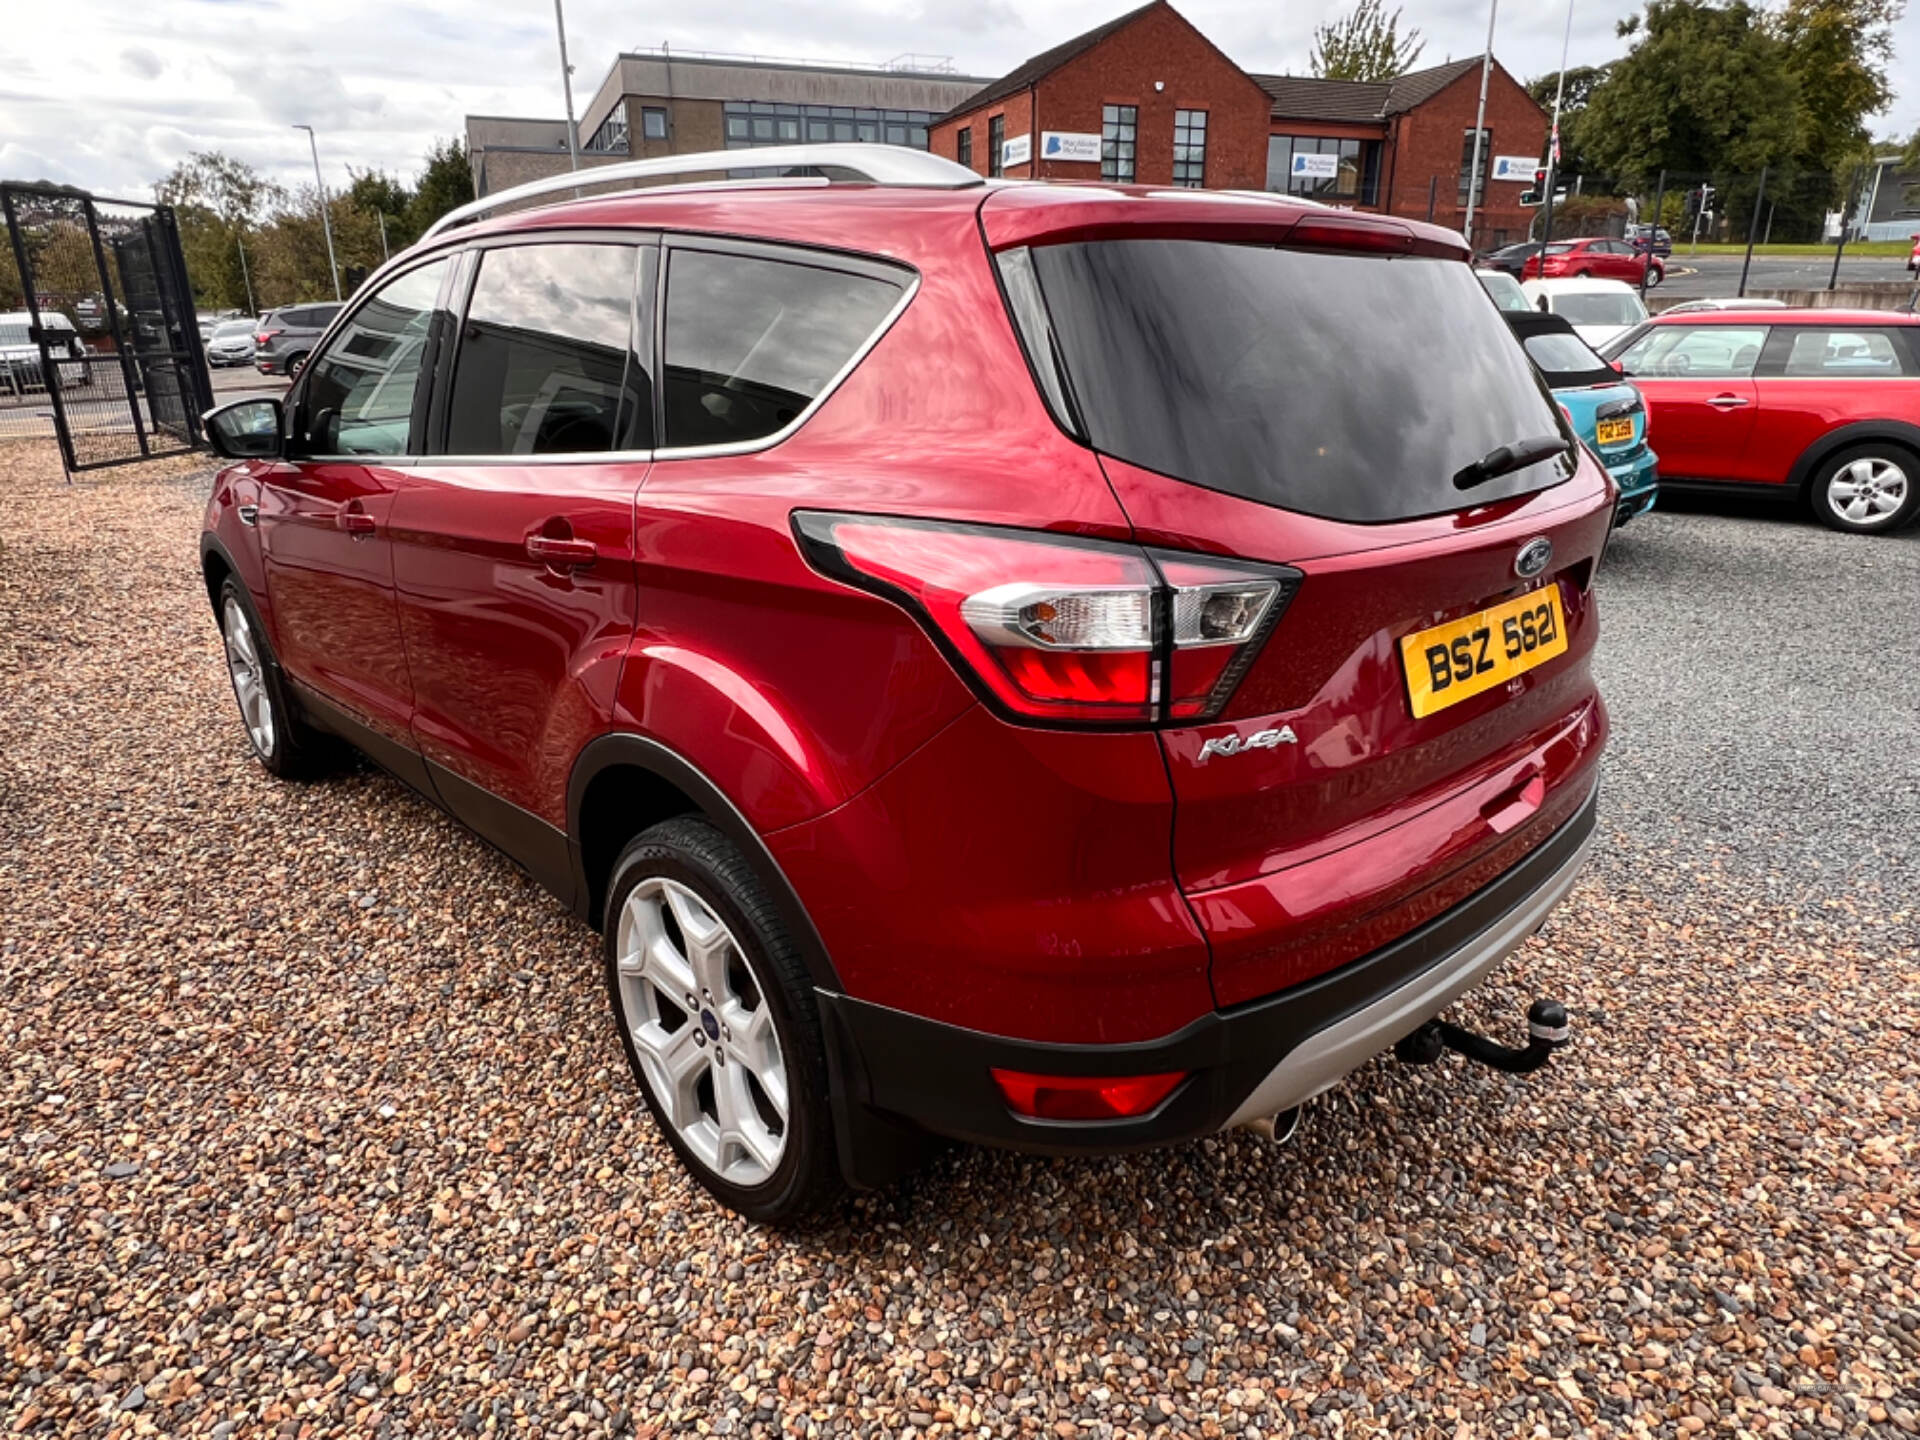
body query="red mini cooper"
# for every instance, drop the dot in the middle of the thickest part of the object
(1070, 668)
(1821, 406)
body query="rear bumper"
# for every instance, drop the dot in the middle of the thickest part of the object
(1638, 479)
(1253, 1060)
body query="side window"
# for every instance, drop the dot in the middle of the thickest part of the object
(359, 390)
(546, 363)
(1843, 353)
(751, 341)
(1700, 352)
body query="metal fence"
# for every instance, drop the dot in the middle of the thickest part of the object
(105, 340)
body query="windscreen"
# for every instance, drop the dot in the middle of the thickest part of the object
(1565, 361)
(1594, 307)
(1347, 386)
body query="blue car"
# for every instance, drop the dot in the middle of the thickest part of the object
(1605, 408)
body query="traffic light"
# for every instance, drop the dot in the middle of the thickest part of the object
(1535, 193)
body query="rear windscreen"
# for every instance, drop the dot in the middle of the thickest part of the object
(1346, 386)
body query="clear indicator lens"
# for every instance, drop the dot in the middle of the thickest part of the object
(1061, 619)
(1220, 614)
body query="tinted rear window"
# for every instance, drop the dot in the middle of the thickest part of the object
(1351, 387)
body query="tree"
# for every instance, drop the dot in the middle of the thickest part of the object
(1838, 50)
(376, 193)
(446, 183)
(219, 201)
(1707, 91)
(1366, 44)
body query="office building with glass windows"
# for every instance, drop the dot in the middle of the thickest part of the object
(1147, 99)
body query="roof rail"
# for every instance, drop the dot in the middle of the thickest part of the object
(874, 164)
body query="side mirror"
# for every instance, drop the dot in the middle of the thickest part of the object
(245, 429)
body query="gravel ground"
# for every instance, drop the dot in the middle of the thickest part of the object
(313, 1122)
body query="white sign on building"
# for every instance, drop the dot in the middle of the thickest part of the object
(1069, 145)
(1016, 149)
(1515, 167)
(1308, 166)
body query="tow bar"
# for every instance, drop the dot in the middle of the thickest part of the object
(1546, 1032)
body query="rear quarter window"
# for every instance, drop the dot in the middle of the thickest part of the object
(751, 341)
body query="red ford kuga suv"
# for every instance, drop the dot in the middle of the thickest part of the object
(1068, 668)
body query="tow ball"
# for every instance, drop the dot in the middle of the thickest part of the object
(1546, 1033)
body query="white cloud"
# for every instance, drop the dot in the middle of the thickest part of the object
(381, 79)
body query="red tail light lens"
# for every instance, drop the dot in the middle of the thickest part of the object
(1084, 1097)
(264, 336)
(1056, 628)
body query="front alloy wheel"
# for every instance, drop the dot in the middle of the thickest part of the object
(249, 677)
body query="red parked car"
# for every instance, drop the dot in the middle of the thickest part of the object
(986, 673)
(1819, 405)
(1597, 256)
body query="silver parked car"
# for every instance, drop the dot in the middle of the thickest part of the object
(231, 343)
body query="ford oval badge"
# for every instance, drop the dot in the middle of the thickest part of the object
(1534, 557)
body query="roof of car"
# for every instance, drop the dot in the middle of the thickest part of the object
(1802, 316)
(901, 220)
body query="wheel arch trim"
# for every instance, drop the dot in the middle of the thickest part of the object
(624, 749)
(1845, 437)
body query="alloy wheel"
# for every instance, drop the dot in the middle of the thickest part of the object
(1868, 491)
(249, 678)
(703, 1031)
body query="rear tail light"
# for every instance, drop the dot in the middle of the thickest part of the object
(264, 336)
(1085, 1097)
(1059, 629)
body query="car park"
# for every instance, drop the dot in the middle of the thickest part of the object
(1606, 410)
(286, 336)
(1596, 257)
(231, 343)
(832, 594)
(1821, 406)
(1599, 309)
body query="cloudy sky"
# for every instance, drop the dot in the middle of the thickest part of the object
(110, 93)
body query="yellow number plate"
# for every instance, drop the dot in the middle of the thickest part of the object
(1617, 431)
(1458, 660)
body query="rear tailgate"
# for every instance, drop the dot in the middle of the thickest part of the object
(1310, 403)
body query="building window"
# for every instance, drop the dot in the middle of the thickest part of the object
(996, 138)
(611, 137)
(1190, 148)
(1119, 125)
(653, 122)
(1466, 164)
(963, 146)
(755, 123)
(1356, 168)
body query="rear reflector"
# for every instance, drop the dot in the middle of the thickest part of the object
(1084, 1097)
(1060, 629)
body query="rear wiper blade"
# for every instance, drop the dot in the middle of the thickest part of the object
(1508, 458)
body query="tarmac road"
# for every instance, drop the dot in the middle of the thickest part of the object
(1719, 275)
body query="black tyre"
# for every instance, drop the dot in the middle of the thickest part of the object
(717, 1016)
(1868, 490)
(281, 741)
(295, 364)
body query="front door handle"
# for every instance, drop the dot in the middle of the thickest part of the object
(1729, 402)
(562, 553)
(356, 523)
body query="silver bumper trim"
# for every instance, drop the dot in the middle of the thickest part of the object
(1328, 1056)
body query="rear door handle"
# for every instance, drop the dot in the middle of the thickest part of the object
(1729, 402)
(561, 553)
(355, 522)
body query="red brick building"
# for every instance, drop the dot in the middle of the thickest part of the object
(1147, 98)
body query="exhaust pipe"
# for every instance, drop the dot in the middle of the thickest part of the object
(1278, 1128)
(1546, 1033)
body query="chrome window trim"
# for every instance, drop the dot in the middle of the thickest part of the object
(787, 254)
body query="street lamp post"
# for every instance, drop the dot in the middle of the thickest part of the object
(326, 225)
(566, 86)
(1480, 123)
(1553, 144)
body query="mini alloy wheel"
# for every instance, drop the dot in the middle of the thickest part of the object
(1868, 490)
(703, 1031)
